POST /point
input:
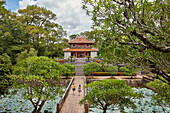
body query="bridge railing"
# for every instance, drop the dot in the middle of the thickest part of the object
(62, 100)
(86, 105)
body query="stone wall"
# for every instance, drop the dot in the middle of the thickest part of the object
(66, 55)
(93, 54)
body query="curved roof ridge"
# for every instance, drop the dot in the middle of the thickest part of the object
(81, 39)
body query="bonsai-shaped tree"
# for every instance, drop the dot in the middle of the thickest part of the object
(109, 93)
(70, 68)
(128, 71)
(37, 76)
(113, 70)
(90, 68)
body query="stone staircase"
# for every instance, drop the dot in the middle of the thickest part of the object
(79, 67)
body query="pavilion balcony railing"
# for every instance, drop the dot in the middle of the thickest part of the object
(81, 47)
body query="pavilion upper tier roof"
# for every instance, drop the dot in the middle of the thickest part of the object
(80, 50)
(80, 39)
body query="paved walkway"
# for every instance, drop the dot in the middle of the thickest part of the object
(71, 104)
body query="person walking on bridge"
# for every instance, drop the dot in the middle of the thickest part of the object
(79, 89)
(73, 88)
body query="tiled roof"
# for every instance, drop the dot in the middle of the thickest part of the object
(82, 50)
(80, 40)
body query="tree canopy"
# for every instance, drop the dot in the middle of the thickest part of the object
(32, 27)
(37, 76)
(138, 32)
(91, 67)
(41, 29)
(105, 93)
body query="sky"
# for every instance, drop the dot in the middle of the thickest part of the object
(69, 13)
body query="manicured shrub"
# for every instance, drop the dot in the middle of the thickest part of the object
(128, 71)
(91, 67)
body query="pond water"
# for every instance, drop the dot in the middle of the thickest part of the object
(17, 104)
(144, 105)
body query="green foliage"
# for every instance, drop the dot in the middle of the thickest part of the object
(91, 67)
(106, 93)
(5, 71)
(38, 75)
(88, 57)
(11, 36)
(94, 35)
(23, 55)
(69, 69)
(126, 70)
(71, 37)
(133, 32)
(112, 69)
(162, 89)
(42, 31)
(69, 59)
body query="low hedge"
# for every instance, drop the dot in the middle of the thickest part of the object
(104, 73)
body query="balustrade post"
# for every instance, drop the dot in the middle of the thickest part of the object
(86, 108)
(58, 108)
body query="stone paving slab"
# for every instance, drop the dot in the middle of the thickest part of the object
(71, 104)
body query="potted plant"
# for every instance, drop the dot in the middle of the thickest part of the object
(88, 57)
(98, 61)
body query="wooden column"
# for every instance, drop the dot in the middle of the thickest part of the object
(84, 54)
(76, 54)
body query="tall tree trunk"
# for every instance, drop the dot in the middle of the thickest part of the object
(104, 109)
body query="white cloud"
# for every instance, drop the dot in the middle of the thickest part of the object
(69, 13)
(23, 4)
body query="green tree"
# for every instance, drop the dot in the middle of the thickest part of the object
(41, 30)
(71, 37)
(62, 44)
(112, 69)
(106, 93)
(128, 71)
(163, 91)
(69, 69)
(5, 72)
(38, 75)
(138, 30)
(23, 55)
(94, 35)
(11, 33)
(90, 68)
